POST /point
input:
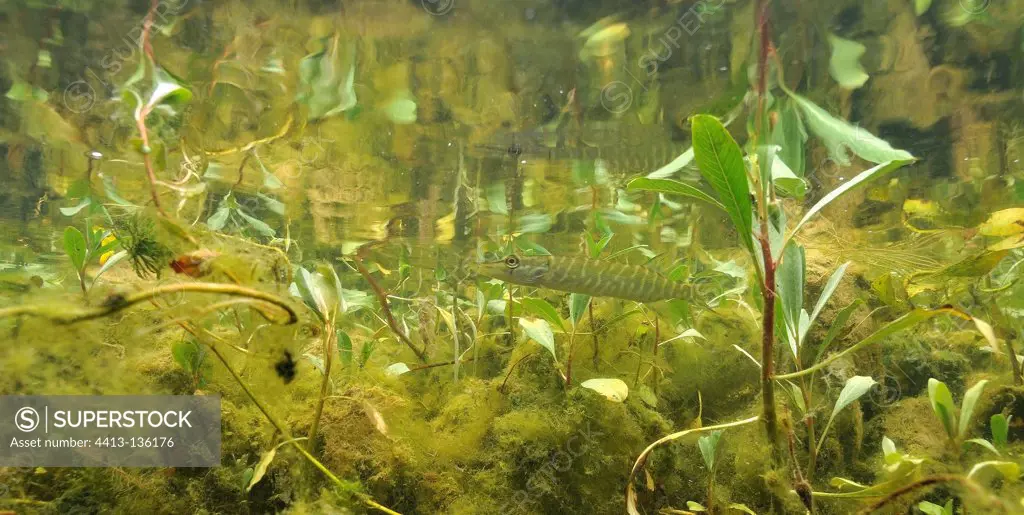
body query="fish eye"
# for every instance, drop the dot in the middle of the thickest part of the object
(511, 261)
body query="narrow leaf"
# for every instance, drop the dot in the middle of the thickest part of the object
(578, 303)
(708, 445)
(840, 137)
(967, 406)
(984, 443)
(848, 186)
(942, 405)
(672, 187)
(396, 369)
(721, 164)
(261, 468)
(1008, 469)
(1000, 425)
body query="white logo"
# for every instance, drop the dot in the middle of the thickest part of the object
(27, 419)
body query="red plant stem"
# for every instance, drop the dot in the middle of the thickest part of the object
(386, 308)
(140, 120)
(768, 340)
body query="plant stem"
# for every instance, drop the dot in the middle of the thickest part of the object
(382, 298)
(328, 349)
(966, 482)
(115, 303)
(593, 332)
(768, 339)
(140, 120)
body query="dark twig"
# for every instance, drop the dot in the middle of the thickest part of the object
(382, 298)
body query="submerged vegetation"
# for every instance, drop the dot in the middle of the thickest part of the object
(723, 256)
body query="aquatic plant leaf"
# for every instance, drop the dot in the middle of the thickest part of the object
(695, 506)
(539, 331)
(402, 110)
(826, 293)
(22, 91)
(889, 451)
(375, 418)
(984, 443)
(166, 91)
(844, 65)
(75, 247)
(260, 226)
(344, 347)
(854, 389)
(309, 287)
(613, 389)
(967, 405)
(396, 369)
(111, 262)
(791, 291)
(261, 468)
(1000, 425)
(791, 138)
(578, 303)
(708, 446)
(846, 187)
(742, 507)
(677, 164)
(840, 137)
(219, 218)
(672, 187)
(942, 405)
(721, 164)
(1006, 222)
(545, 310)
(921, 6)
(785, 180)
(1008, 469)
(83, 203)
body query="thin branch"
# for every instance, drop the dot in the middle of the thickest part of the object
(382, 298)
(115, 303)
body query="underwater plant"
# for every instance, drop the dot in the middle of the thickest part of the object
(96, 245)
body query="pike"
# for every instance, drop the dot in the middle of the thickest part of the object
(586, 276)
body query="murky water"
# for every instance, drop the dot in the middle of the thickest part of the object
(179, 173)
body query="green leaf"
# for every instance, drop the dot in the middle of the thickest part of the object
(791, 291)
(790, 135)
(695, 506)
(677, 164)
(83, 203)
(539, 331)
(543, 309)
(840, 137)
(708, 445)
(186, 355)
(742, 507)
(933, 509)
(844, 65)
(219, 218)
(111, 261)
(838, 323)
(984, 443)
(942, 405)
(785, 180)
(614, 390)
(854, 389)
(74, 246)
(1000, 425)
(578, 303)
(921, 6)
(344, 347)
(967, 406)
(721, 164)
(830, 288)
(1008, 469)
(672, 187)
(167, 91)
(260, 226)
(860, 179)
(309, 287)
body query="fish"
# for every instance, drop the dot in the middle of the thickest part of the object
(586, 276)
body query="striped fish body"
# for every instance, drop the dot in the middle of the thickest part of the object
(586, 276)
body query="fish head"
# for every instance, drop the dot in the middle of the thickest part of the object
(525, 270)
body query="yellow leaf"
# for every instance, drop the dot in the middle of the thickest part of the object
(1004, 223)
